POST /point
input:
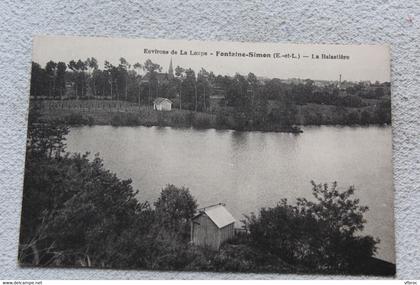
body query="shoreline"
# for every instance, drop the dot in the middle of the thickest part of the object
(126, 114)
(77, 119)
(121, 113)
(150, 118)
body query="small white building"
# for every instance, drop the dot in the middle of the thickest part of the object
(162, 104)
(212, 226)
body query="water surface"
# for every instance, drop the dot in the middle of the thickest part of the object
(250, 170)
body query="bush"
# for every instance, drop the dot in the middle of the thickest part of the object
(77, 225)
(116, 120)
(324, 235)
(125, 119)
(366, 118)
(383, 112)
(201, 122)
(78, 119)
(353, 118)
(313, 118)
(91, 121)
(174, 209)
(240, 121)
(222, 120)
(179, 119)
(351, 101)
(160, 118)
(240, 258)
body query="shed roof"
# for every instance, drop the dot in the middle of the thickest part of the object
(219, 215)
(159, 100)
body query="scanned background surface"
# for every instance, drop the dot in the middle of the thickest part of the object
(394, 22)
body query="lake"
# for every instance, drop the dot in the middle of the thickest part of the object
(250, 170)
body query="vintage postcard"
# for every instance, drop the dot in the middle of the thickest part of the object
(209, 156)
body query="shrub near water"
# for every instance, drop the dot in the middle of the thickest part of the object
(79, 119)
(222, 119)
(200, 121)
(124, 119)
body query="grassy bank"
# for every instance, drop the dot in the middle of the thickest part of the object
(148, 117)
(118, 113)
(319, 114)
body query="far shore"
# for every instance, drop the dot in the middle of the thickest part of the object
(199, 120)
(93, 112)
(131, 115)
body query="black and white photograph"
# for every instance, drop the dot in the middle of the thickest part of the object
(178, 155)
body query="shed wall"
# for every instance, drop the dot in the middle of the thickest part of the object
(163, 106)
(226, 233)
(205, 232)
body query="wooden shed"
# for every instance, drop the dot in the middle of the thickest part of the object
(162, 104)
(212, 226)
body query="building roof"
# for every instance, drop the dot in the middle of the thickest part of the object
(159, 100)
(218, 214)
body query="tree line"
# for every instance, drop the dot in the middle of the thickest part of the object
(253, 102)
(83, 79)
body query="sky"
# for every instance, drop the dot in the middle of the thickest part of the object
(365, 63)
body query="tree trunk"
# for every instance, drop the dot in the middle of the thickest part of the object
(81, 89)
(180, 96)
(76, 87)
(111, 91)
(118, 97)
(94, 87)
(54, 87)
(195, 91)
(149, 94)
(204, 99)
(139, 96)
(126, 88)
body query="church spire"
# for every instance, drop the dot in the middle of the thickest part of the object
(171, 69)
